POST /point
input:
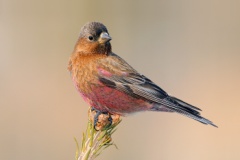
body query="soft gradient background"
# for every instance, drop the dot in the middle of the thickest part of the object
(190, 48)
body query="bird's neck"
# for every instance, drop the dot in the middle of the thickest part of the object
(104, 49)
(96, 48)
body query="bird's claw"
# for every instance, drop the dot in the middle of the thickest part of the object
(101, 119)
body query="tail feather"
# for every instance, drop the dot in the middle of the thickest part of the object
(179, 101)
(196, 117)
(176, 105)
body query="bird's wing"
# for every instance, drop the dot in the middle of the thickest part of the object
(114, 72)
(139, 86)
(136, 85)
(118, 74)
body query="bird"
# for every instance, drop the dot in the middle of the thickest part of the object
(110, 85)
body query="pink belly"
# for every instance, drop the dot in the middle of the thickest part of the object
(114, 101)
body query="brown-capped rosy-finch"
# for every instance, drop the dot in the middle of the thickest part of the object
(110, 85)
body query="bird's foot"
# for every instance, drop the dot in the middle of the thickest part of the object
(100, 119)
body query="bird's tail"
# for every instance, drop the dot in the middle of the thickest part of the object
(172, 104)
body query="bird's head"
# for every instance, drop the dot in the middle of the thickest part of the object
(94, 39)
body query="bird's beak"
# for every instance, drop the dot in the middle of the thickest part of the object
(104, 37)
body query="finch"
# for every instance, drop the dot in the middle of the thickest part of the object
(110, 85)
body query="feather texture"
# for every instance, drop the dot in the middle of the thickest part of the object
(110, 84)
(136, 85)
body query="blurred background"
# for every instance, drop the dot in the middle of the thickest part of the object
(190, 48)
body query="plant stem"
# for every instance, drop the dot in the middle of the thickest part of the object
(95, 141)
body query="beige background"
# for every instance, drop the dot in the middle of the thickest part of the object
(190, 48)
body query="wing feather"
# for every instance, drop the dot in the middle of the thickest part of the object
(139, 86)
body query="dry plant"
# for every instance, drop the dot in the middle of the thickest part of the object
(97, 138)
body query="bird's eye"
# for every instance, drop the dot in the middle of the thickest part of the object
(90, 38)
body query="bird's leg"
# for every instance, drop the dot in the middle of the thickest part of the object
(110, 118)
(95, 119)
(101, 119)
